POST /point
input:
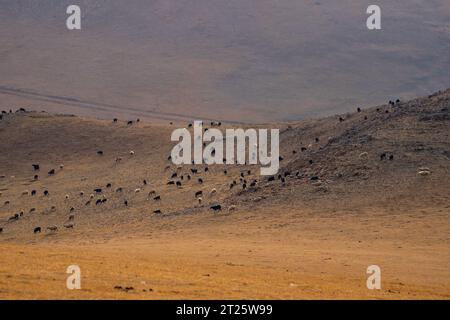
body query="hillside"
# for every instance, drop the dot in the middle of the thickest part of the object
(336, 198)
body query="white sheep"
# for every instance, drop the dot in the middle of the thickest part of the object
(200, 200)
(364, 156)
(131, 153)
(213, 191)
(137, 190)
(66, 196)
(232, 208)
(61, 166)
(91, 196)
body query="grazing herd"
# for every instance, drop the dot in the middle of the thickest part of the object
(178, 179)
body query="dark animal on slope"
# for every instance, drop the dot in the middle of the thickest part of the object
(36, 177)
(1, 229)
(216, 207)
(194, 171)
(174, 175)
(36, 167)
(51, 172)
(272, 178)
(98, 202)
(199, 194)
(171, 182)
(115, 120)
(303, 149)
(37, 230)
(125, 203)
(100, 152)
(157, 211)
(157, 198)
(200, 180)
(129, 123)
(52, 229)
(46, 193)
(144, 182)
(109, 185)
(178, 184)
(98, 190)
(33, 192)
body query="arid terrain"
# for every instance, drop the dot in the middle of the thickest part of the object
(356, 189)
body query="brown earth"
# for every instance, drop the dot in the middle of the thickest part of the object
(299, 239)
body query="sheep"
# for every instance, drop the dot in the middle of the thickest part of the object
(178, 184)
(32, 210)
(61, 166)
(151, 192)
(52, 228)
(199, 194)
(37, 230)
(119, 189)
(53, 208)
(174, 175)
(341, 119)
(25, 193)
(391, 157)
(33, 192)
(423, 171)
(137, 190)
(108, 185)
(98, 190)
(118, 159)
(87, 203)
(98, 202)
(66, 196)
(81, 193)
(213, 191)
(131, 153)
(1, 230)
(216, 207)
(46, 193)
(99, 152)
(358, 109)
(272, 178)
(129, 123)
(194, 171)
(36, 177)
(71, 217)
(115, 120)
(144, 182)
(170, 182)
(68, 225)
(363, 155)
(51, 172)
(200, 180)
(36, 167)
(72, 209)
(157, 198)
(157, 211)
(125, 202)
(91, 196)
(232, 208)
(200, 200)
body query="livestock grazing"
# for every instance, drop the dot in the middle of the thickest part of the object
(100, 152)
(118, 159)
(303, 149)
(225, 172)
(397, 101)
(194, 171)
(287, 173)
(36, 167)
(294, 151)
(365, 117)
(363, 155)
(280, 158)
(1, 229)
(98, 190)
(174, 175)
(206, 169)
(87, 203)
(383, 156)
(358, 109)
(188, 177)
(138, 120)
(91, 196)
(71, 217)
(157, 198)
(51, 172)
(36, 177)
(125, 202)
(131, 153)
(53, 208)
(72, 209)
(182, 177)
(137, 190)
(314, 178)
(200, 200)
(253, 183)
(171, 182)
(341, 119)
(244, 186)
(242, 174)
(190, 125)
(231, 186)
(151, 192)
(115, 120)
(98, 202)
(119, 189)
(310, 162)
(25, 193)
(32, 210)
(200, 180)
(15, 217)
(46, 193)
(199, 194)
(67, 196)
(232, 208)
(317, 139)
(272, 178)
(391, 157)
(283, 180)
(213, 191)
(52, 228)
(216, 207)
(108, 185)
(37, 230)
(129, 123)
(144, 182)
(33, 192)
(157, 211)
(21, 213)
(61, 166)
(68, 225)
(178, 184)
(169, 158)
(387, 111)
(81, 193)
